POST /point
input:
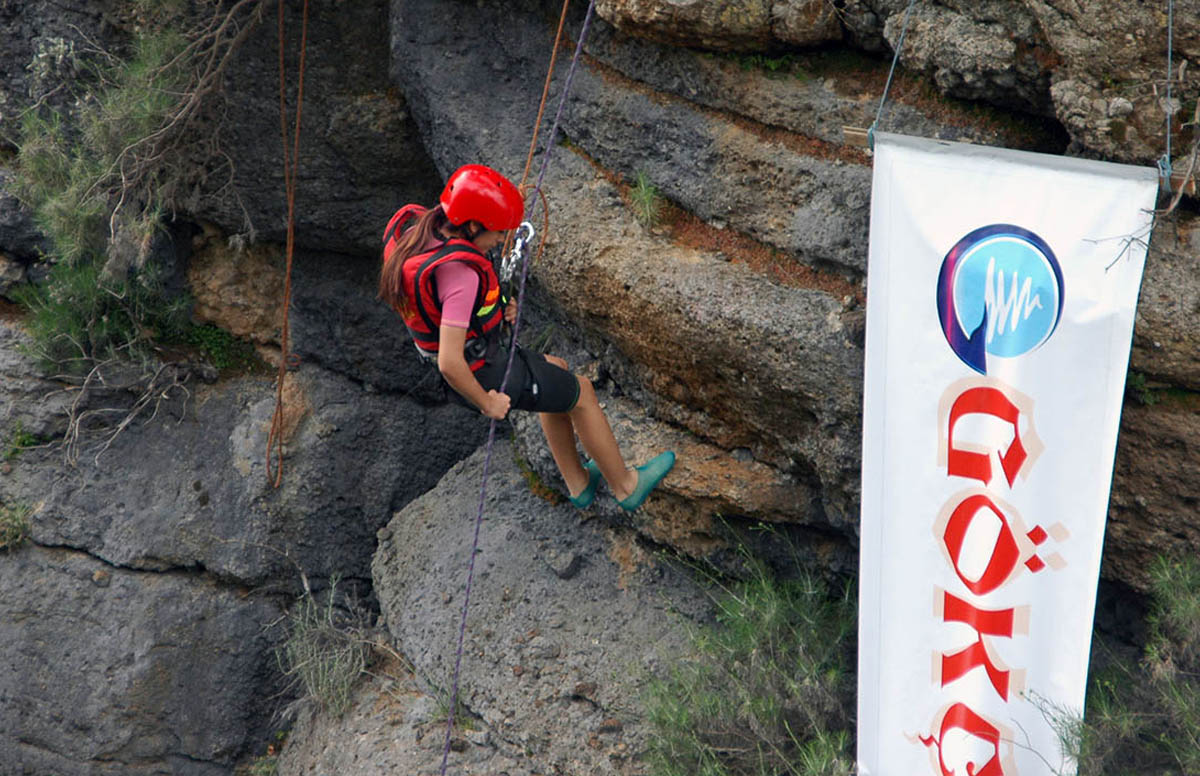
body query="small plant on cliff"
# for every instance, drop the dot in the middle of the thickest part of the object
(769, 689)
(223, 349)
(326, 651)
(19, 440)
(14, 525)
(266, 764)
(646, 201)
(1135, 386)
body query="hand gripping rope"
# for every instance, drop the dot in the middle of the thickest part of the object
(516, 254)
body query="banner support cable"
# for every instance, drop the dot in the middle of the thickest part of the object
(1164, 164)
(891, 72)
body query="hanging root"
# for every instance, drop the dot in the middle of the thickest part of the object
(152, 390)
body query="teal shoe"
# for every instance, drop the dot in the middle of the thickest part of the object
(588, 494)
(649, 475)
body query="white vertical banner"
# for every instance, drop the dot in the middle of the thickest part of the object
(1000, 306)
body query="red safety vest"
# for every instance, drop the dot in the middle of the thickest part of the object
(422, 311)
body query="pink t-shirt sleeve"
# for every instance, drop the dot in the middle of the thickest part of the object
(457, 285)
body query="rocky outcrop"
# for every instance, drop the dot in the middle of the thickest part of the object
(733, 25)
(359, 155)
(1154, 492)
(1167, 330)
(567, 620)
(736, 357)
(1100, 72)
(115, 672)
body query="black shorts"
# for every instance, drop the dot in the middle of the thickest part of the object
(533, 384)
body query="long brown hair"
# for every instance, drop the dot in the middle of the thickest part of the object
(428, 226)
(412, 241)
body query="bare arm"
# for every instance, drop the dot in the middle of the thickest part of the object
(453, 367)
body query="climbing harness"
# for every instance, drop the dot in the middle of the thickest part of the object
(291, 167)
(487, 459)
(891, 72)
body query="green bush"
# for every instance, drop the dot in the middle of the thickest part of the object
(1144, 717)
(14, 525)
(769, 689)
(266, 765)
(326, 651)
(100, 178)
(79, 317)
(19, 440)
(646, 201)
(223, 349)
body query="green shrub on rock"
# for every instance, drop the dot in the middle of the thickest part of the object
(102, 176)
(769, 689)
(1143, 716)
(325, 652)
(14, 526)
(79, 317)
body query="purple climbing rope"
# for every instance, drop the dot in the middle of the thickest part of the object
(487, 459)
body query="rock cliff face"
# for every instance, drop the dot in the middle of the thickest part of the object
(136, 626)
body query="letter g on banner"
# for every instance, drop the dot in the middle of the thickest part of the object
(999, 293)
(960, 718)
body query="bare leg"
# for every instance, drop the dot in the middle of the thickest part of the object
(587, 420)
(597, 438)
(560, 437)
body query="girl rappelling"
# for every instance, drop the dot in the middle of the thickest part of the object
(436, 276)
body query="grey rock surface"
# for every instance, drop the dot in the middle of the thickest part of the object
(1167, 328)
(19, 236)
(359, 156)
(353, 459)
(813, 94)
(991, 51)
(553, 668)
(393, 726)
(338, 323)
(810, 206)
(440, 68)
(29, 402)
(44, 44)
(110, 672)
(1154, 474)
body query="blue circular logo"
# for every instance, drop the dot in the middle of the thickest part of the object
(1000, 293)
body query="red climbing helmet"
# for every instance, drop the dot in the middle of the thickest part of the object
(478, 193)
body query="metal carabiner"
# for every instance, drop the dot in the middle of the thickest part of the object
(508, 265)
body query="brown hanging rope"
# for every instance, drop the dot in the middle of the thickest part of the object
(537, 127)
(291, 167)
